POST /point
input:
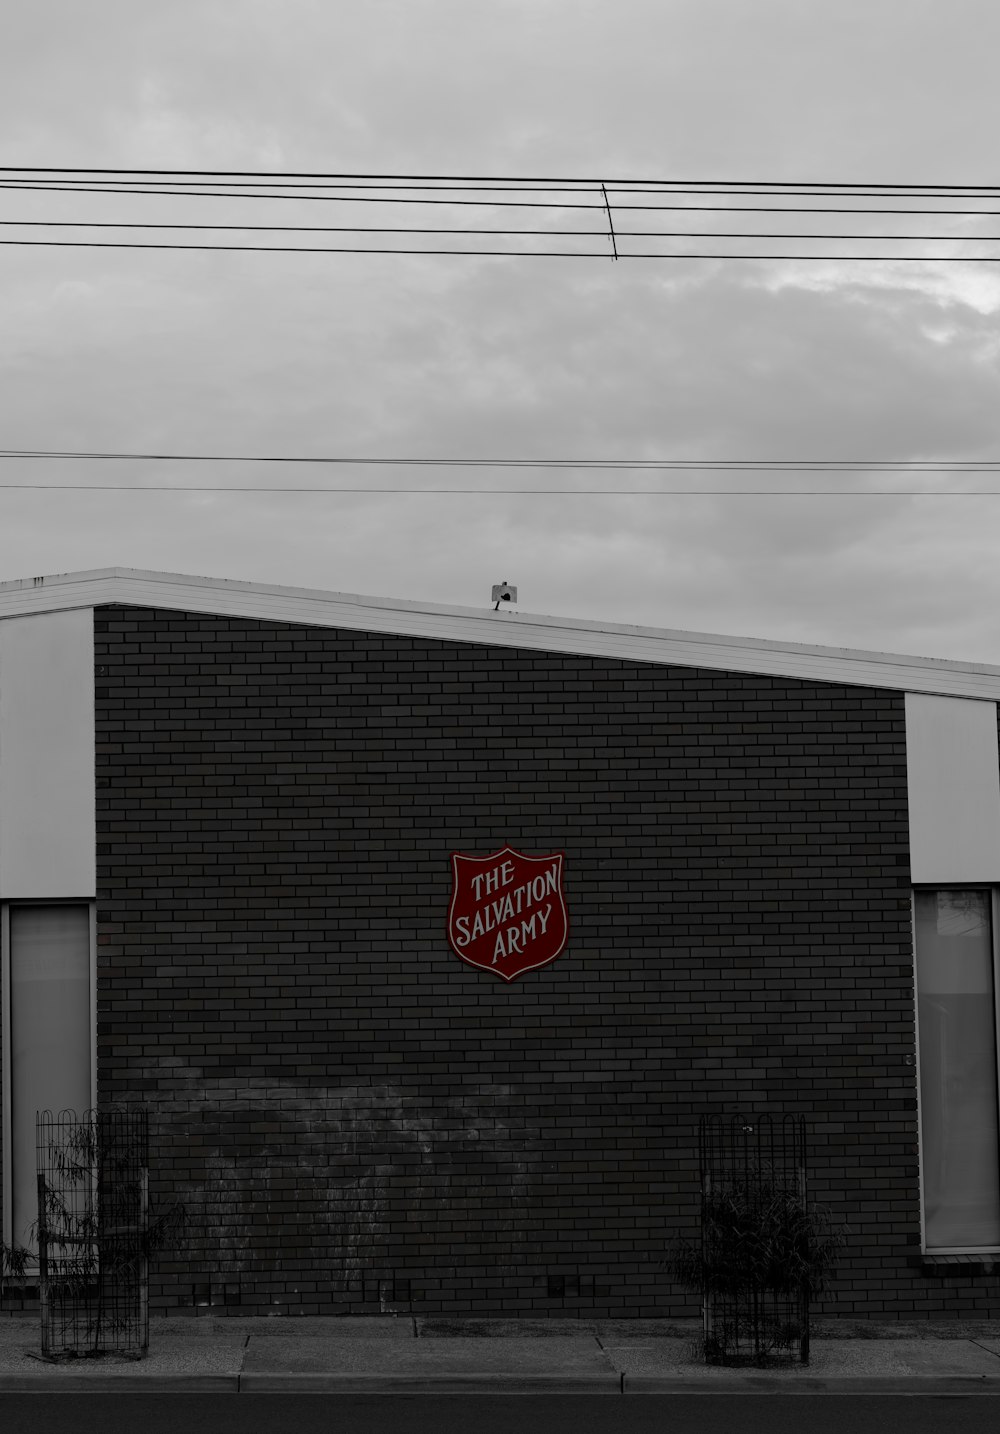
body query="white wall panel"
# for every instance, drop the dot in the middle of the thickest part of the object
(953, 780)
(47, 818)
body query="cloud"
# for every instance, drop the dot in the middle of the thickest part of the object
(333, 355)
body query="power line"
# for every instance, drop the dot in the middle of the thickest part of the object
(752, 465)
(471, 178)
(343, 229)
(554, 197)
(386, 188)
(505, 233)
(494, 253)
(514, 204)
(326, 198)
(393, 190)
(331, 249)
(790, 467)
(168, 187)
(522, 492)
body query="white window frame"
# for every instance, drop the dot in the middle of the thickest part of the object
(6, 1115)
(933, 1250)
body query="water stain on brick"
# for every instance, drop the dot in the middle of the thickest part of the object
(350, 1183)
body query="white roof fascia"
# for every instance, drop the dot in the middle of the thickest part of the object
(507, 628)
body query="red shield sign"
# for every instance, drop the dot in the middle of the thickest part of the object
(508, 911)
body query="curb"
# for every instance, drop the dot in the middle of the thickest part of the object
(413, 1383)
(433, 1383)
(804, 1384)
(101, 1383)
(318, 1383)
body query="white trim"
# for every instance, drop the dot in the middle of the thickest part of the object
(93, 1004)
(6, 1114)
(981, 1251)
(916, 1057)
(506, 629)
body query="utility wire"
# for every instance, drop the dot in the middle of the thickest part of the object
(496, 253)
(173, 181)
(552, 196)
(518, 204)
(683, 465)
(707, 191)
(505, 233)
(545, 180)
(349, 229)
(887, 467)
(523, 492)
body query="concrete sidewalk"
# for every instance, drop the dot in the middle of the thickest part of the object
(405, 1354)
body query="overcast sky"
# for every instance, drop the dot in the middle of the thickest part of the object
(517, 357)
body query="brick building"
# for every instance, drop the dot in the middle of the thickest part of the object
(228, 814)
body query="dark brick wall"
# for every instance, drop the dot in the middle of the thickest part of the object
(357, 1119)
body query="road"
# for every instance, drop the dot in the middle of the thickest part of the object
(71, 1413)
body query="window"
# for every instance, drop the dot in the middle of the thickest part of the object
(955, 937)
(47, 1038)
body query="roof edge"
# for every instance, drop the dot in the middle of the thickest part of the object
(508, 628)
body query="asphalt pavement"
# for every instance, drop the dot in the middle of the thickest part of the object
(407, 1354)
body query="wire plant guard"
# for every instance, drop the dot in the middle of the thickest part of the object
(756, 1238)
(93, 1232)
